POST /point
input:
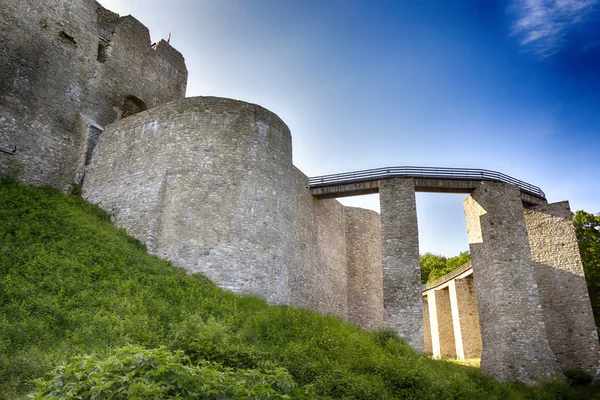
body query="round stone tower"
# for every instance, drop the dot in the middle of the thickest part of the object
(205, 182)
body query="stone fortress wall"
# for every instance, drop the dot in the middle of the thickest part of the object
(209, 183)
(67, 69)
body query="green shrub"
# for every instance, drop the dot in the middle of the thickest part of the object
(577, 377)
(136, 373)
(10, 171)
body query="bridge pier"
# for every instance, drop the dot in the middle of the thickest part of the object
(443, 344)
(427, 327)
(465, 318)
(402, 298)
(513, 331)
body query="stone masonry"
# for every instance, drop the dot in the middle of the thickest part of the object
(402, 299)
(427, 345)
(363, 251)
(465, 318)
(66, 66)
(506, 289)
(441, 328)
(318, 276)
(565, 301)
(204, 182)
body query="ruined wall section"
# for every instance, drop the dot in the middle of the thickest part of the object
(46, 49)
(51, 74)
(561, 282)
(365, 276)
(331, 256)
(337, 258)
(129, 67)
(318, 277)
(205, 183)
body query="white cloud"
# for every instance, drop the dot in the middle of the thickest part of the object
(543, 24)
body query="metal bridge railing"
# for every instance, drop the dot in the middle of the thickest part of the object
(424, 172)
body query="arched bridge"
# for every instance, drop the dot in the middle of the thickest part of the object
(427, 179)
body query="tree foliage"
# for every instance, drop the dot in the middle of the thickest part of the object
(434, 266)
(587, 230)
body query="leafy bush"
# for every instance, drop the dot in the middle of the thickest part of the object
(136, 373)
(10, 171)
(578, 377)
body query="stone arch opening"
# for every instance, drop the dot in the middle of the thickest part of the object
(131, 106)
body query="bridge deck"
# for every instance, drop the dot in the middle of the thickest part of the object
(427, 179)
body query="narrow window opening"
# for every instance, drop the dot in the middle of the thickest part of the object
(102, 51)
(67, 38)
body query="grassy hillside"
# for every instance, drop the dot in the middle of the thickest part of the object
(72, 284)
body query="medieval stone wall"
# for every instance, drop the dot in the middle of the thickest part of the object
(365, 277)
(337, 258)
(209, 184)
(318, 277)
(563, 292)
(63, 62)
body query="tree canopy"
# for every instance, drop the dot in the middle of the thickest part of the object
(587, 230)
(434, 266)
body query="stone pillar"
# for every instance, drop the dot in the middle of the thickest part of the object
(402, 297)
(440, 317)
(427, 327)
(515, 342)
(563, 291)
(465, 318)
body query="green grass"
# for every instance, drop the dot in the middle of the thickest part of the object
(72, 284)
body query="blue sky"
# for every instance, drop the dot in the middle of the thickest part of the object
(512, 86)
